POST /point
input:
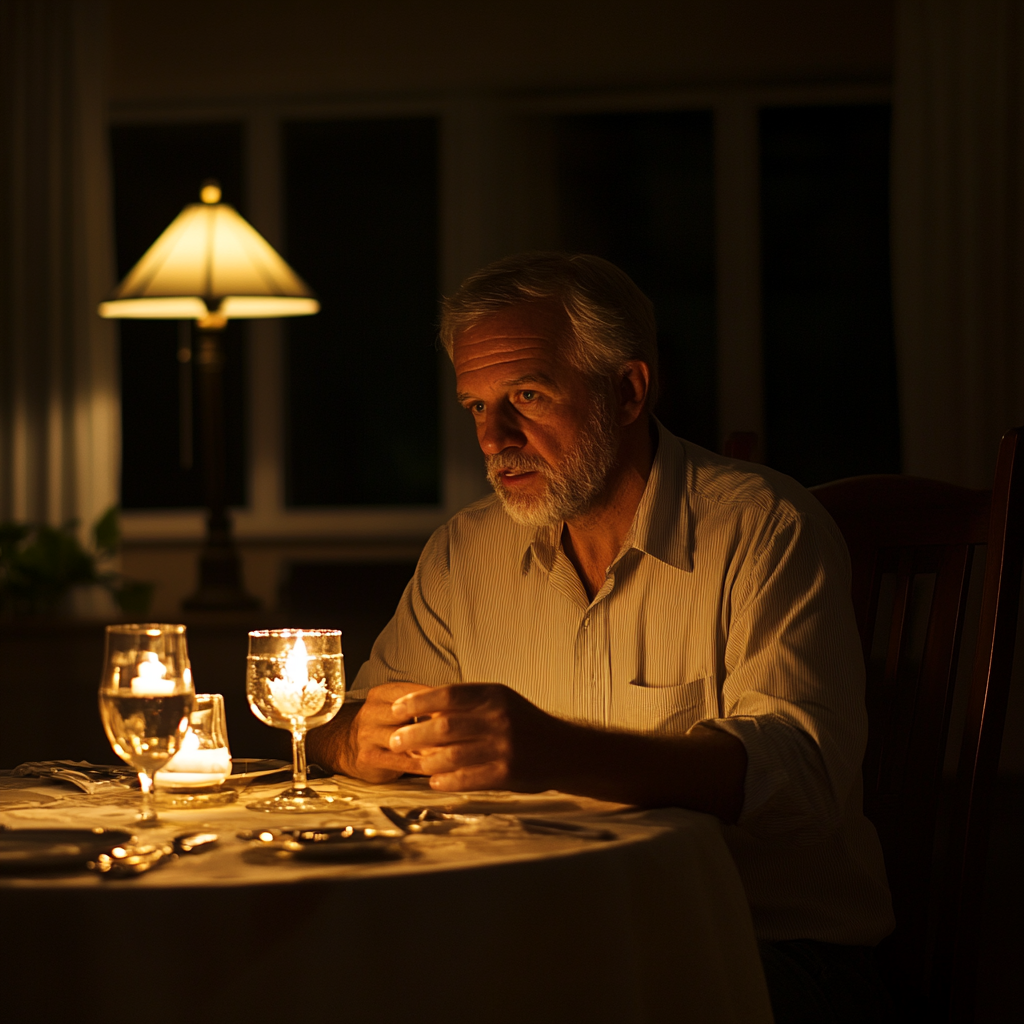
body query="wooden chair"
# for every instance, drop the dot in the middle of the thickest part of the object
(741, 444)
(913, 544)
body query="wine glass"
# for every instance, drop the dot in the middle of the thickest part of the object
(295, 681)
(146, 697)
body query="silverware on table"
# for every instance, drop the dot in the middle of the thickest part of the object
(195, 842)
(314, 834)
(426, 819)
(331, 843)
(131, 859)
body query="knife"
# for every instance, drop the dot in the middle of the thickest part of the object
(132, 859)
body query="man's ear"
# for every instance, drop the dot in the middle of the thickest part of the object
(634, 384)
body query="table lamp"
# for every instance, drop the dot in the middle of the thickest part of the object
(211, 265)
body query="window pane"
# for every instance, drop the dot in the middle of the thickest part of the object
(638, 189)
(830, 366)
(361, 223)
(157, 170)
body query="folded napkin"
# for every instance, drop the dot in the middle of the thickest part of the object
(90, 778)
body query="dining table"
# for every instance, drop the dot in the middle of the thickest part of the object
(605, 913)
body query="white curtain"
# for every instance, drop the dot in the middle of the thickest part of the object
(958, 232)
(59, 400)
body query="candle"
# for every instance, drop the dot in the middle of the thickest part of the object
(192, 758)
(295, 694)
(150, 680)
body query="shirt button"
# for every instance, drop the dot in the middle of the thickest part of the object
(586, 622)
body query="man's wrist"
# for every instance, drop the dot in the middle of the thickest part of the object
(332, 745)
(348, 746)
(703, 770)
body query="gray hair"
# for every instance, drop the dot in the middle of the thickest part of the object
(612, 320)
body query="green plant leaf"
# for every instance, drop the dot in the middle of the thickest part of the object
(134, 596)
(107, 532)
(39, 565)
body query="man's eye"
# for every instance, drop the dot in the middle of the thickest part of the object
(477, 407)
(528, 396)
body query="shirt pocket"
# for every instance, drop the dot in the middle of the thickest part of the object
(664, 709)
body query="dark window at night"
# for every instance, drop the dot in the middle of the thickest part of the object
(830, 367)
(638, 189)
(157, 170)
(362, 375)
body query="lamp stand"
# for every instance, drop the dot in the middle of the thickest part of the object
(220, 567)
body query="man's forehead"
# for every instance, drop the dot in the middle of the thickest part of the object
(543, 320)
(524, 340)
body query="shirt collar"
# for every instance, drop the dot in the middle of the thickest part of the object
(661, 526)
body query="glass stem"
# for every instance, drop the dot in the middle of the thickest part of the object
(299, 758)
(147, 816)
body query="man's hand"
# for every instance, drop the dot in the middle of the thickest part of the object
(478, 736)
(356, 742)
(487, 736)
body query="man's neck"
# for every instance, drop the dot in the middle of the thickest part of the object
(591, 542)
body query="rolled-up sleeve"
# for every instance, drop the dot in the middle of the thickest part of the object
(794, 687)
(416, 645)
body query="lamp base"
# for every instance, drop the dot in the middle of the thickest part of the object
(220, 582)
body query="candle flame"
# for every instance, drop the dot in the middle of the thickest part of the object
(149, 681)
(296, 695)
(296, 665)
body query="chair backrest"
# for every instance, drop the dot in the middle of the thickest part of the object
(913, 544)
(741, 444)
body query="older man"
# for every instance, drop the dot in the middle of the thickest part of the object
(630, 617)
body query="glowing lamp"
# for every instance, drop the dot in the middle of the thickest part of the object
(211, 265)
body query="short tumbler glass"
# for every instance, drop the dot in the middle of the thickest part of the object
(193, 777)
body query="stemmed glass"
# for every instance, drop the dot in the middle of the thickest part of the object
(146, 697)
(295, 681)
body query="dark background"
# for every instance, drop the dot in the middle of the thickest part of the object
(361, 202)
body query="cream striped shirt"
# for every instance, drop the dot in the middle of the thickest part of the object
(729, 605)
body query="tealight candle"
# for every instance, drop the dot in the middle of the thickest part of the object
(150, 680)
(212, 761)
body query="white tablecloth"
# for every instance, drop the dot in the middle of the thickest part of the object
(652, 926)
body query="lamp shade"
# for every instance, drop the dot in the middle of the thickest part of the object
(210, 261)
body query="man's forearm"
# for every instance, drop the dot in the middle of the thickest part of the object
(703, 770)
(487, 736)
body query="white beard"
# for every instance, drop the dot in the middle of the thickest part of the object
(573, 486)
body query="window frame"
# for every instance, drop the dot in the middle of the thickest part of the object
(481, 138)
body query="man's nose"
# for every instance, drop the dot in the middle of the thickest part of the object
(498, 430)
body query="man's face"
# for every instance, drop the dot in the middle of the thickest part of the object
(548, 437)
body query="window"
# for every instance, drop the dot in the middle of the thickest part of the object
(361, 227)
(638, 189)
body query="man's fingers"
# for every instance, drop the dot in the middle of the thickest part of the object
(437, 760)
(490, 775)
(437, 731)
(430, 700)
(380, 701)
(378, 734)
(392, 691)
(382, 758)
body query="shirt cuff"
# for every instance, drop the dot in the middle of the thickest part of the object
(786, 792)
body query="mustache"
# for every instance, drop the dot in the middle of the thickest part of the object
(514, 462)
